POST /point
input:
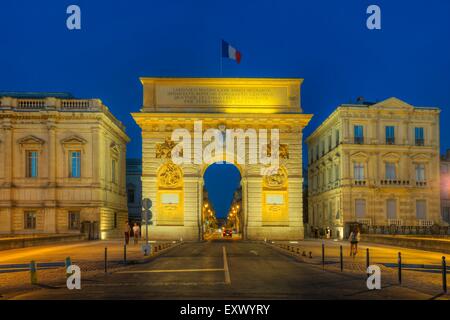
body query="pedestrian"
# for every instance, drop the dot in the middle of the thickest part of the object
(354, 238)
(126, 231)
(136, 233)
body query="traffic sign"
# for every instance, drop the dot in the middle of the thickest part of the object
(146, 203)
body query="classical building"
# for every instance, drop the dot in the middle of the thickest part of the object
(445, 187)
(134, 190)
(62, 166)
(376, 164)
(271, 204)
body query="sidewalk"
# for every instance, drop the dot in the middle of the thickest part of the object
(89, 256)
(415, 277)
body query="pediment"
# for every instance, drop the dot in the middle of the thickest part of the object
(420, 157)
(360, 155)
(391, 156)
(30, 140)
(73, 140)
(393, 104)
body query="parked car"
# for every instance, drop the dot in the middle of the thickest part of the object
(227, 233)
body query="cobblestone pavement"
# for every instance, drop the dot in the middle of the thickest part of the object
(89, 256)
(414, 276)
(226, 270)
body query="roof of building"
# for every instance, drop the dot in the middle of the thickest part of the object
(393, 101)
(36, 95)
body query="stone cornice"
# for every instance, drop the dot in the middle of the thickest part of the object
(294, 119)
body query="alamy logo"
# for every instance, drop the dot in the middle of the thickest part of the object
(374, 277)
(73, 21)
(227, 145)
(374, 20)
(73, 277)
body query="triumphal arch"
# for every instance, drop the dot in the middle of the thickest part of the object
(272, 200)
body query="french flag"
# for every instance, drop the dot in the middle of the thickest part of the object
(230, 52)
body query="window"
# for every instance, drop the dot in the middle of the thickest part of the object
(337, 137)
(391, 209)
(115, 220)
(419, 136)
(446, 214)
(130, 195)
(420, 172)
(359, 134)
(113, 170)
(360, 208)
(74, 220)
(30, 220)
(421, 212)
(32, 164)
(390, 171)
(358, 169)
(390, 135)
(75, 164)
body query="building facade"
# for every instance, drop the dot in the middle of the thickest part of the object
(376, 164)
(445, 187)
(271, 205)
(62, 166)
(134, 190)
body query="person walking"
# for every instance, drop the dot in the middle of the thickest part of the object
(354, 238)
(136, 233)
(126, 230)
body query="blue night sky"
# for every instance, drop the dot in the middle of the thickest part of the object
(324, 42)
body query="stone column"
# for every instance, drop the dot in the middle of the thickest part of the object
(8, 152)
(96, 156)
(244, 207)
(52, 165)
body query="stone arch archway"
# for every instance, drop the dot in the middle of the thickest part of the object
(238, 199)
(271, 211)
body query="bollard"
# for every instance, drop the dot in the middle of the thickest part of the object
(33, 272)
(444, 275)
(323, 255)
(287, 248)
(304, 253)
(367, 258)
(68, 263)
(341, 256)
(298, 250)
(125, 254)
(155, 249)
(310, 255)
(106, 260)
(400, 268)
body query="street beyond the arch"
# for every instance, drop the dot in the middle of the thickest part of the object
(224, 269)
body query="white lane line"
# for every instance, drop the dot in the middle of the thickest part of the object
(173, 270)
(225, 266)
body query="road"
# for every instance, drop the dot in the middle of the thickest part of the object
(225, 270)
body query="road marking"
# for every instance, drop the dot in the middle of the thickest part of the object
(225, 266)
(254, 252)
(173, 270)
